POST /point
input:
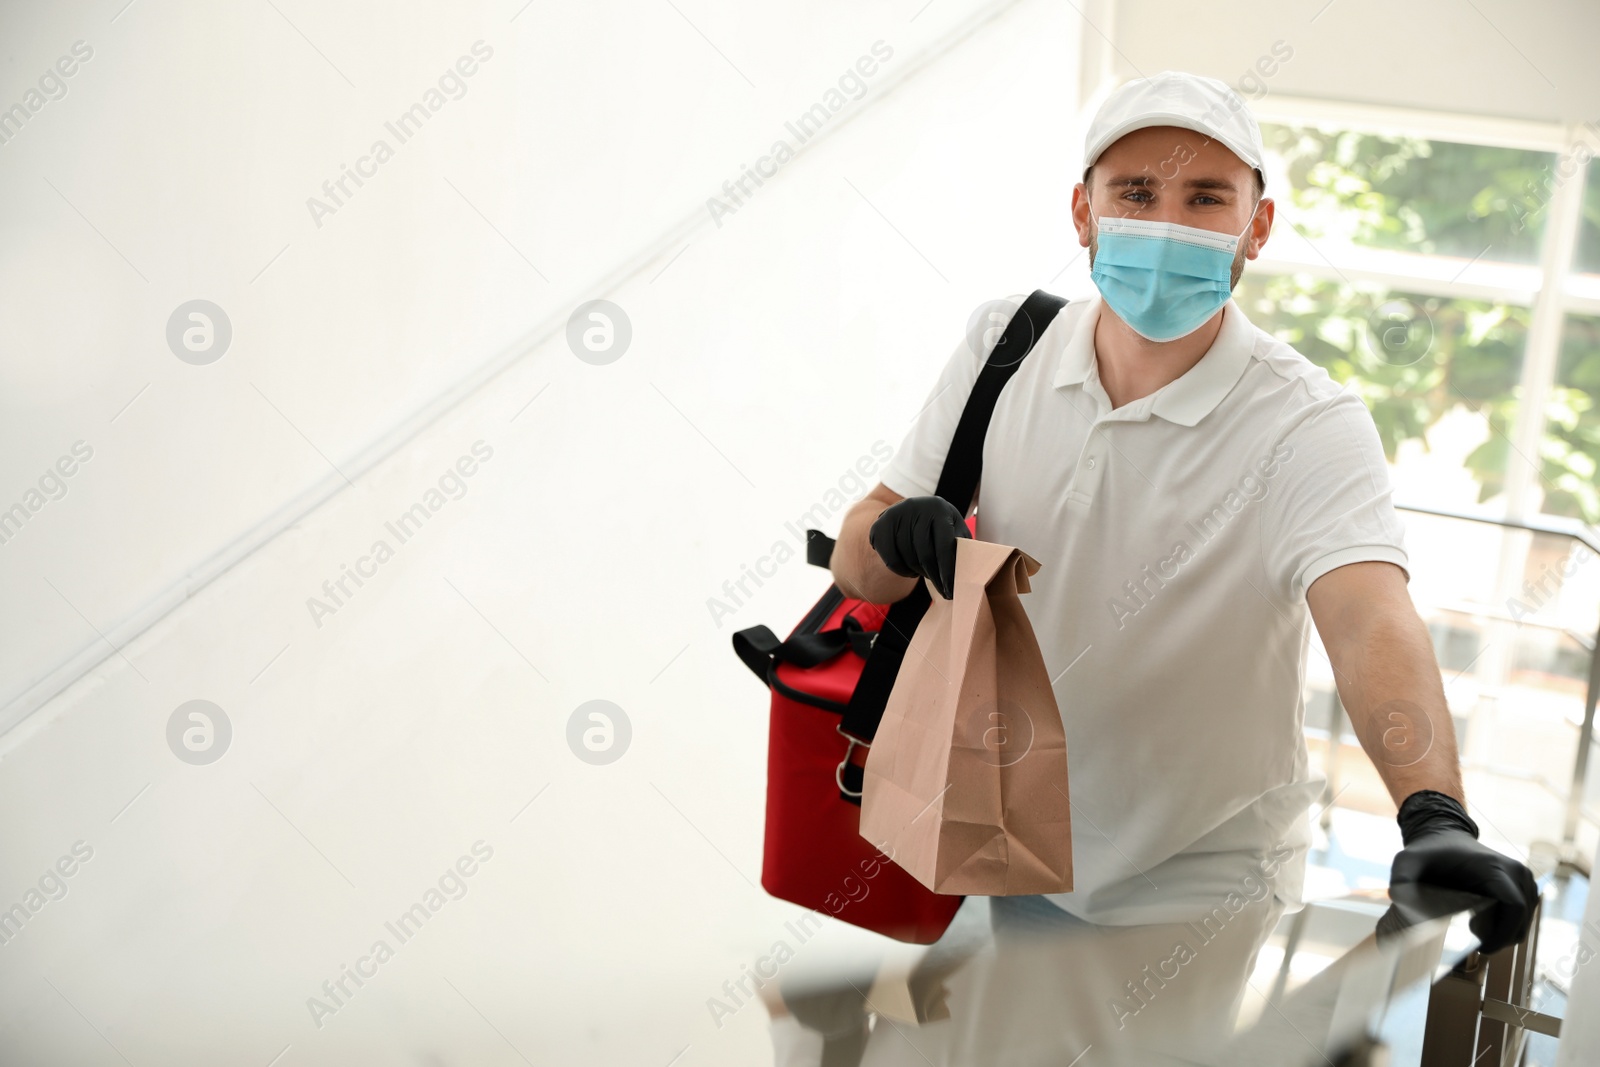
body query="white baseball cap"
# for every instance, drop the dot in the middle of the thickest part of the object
(1175, 98)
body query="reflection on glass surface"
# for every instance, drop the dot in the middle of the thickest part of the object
(1311, 989)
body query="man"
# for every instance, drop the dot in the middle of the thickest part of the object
(1191, 487)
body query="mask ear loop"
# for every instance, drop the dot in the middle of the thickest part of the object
(1248, 226)
(1238, 238)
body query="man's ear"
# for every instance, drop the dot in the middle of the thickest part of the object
(1080, 213)
(1260, 226)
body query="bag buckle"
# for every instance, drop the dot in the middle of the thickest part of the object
(838, 772)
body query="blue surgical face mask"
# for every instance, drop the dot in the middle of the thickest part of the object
(1161, 278)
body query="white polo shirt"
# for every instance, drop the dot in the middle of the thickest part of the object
(1176, 537)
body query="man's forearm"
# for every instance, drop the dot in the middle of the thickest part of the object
(1389, 682)
(857, 569)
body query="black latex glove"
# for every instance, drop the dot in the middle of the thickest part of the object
(916, 538)
(1442, 849)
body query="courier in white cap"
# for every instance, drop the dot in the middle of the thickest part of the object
(1193, 489)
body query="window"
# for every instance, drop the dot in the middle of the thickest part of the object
(1410, 194)
(1411, 270)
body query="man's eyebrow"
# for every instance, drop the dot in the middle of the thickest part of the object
(1141, 181)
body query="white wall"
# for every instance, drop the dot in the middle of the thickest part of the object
(178, 165)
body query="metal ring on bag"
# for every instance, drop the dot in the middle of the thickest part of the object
(838, 772)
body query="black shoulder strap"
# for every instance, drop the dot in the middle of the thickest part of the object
(958, 482)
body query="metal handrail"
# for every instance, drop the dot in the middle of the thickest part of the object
(1590, 538)
(1546, 524)
(1484, 611)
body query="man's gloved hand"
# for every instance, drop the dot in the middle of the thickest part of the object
(916, 538)
(1442, 849)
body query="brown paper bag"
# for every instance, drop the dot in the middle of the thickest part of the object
(966, 780)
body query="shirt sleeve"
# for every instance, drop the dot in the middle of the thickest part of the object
(1331, 502)
(917, 464)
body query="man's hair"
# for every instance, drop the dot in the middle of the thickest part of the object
(1261, 183)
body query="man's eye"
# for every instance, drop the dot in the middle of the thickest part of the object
(1210, 199)
(1135, 194)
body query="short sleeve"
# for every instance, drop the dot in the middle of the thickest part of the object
(915, 468)
(1331, 502)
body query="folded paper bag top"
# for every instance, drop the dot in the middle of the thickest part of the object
(966, 781)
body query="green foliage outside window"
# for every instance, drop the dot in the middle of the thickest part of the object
(1414, 358)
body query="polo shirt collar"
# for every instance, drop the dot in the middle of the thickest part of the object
(1190, 397)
